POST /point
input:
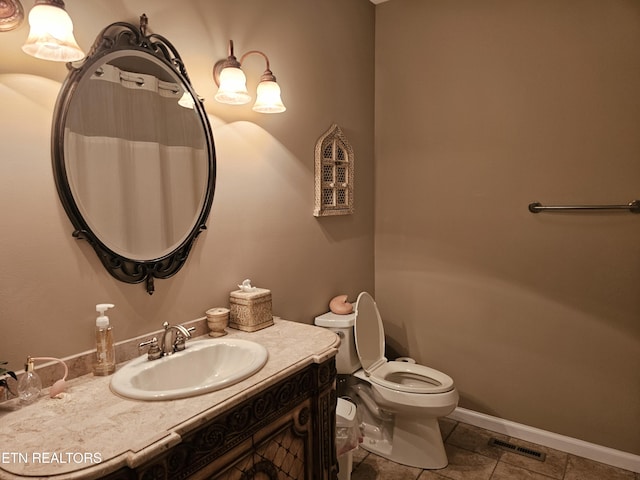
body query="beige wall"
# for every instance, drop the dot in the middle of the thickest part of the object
(261, 224)
(481, 109)
(497, 104)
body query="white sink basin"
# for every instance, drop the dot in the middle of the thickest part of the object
(204, 366)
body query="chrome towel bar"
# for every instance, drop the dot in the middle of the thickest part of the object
(536, 207)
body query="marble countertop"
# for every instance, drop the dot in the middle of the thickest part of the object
(88, 431)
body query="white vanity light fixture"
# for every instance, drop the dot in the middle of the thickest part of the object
(51, 35)
(186, 100)
(232, 84)
(231, 80)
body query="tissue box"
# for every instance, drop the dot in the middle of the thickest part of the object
(250, 311)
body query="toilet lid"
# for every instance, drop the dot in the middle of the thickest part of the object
(369, 333)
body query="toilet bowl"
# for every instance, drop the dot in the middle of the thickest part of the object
(400, 401)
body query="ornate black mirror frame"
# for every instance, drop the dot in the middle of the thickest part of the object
(121, 36)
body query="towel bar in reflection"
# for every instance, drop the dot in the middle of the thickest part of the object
(536, 207)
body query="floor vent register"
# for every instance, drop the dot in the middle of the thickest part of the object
(510, 447)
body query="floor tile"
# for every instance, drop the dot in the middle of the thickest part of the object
(553, 466)
(504, 471)
(446, 426)
(374, 467)
(470, 458)
(466, 465)
(476, 439)
(579, 468)
(431, 475)
(359, 454)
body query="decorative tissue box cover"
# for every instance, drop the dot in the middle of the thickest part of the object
(250, 311)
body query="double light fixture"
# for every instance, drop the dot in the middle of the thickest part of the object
(232, 84)
(51, 38)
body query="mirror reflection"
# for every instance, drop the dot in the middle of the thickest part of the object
(139, 182)
(134, 159)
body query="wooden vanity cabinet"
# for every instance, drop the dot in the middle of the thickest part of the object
(286, 431)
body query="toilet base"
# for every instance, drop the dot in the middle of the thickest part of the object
(415, 443)
(374, 441)
(412, 440)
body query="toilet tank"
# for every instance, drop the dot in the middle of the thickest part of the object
(347, 360)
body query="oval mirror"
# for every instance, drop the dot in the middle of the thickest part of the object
(133, 154)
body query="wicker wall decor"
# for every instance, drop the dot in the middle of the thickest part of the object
(334, 174)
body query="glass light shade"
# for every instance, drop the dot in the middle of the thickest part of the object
(51, 35)
(233, 87)
(186, 100)
(268, 98)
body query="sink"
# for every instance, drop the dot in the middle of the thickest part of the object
(204, 366)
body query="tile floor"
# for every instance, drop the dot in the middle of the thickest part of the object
(471, 458)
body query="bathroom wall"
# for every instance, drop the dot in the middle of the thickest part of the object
(505, 103)
(261, 225)
(480, 107)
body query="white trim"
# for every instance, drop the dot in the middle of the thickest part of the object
(598, 453)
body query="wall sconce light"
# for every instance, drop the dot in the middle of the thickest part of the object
(232, 84)
(51, 35)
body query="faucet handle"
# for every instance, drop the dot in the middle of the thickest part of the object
(182, 334)
(154, 340)
(154, 351)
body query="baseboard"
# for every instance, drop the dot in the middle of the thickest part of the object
(598, 453)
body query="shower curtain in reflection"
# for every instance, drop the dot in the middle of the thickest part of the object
(136, 162)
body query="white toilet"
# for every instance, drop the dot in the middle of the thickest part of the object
(399, 401)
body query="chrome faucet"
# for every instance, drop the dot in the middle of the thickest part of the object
(168, 344)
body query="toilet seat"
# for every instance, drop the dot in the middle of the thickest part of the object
(410, 377)
(400, 376)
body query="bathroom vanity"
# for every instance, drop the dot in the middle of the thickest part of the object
(278, 423)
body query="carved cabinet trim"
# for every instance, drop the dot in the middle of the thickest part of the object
(289, 427)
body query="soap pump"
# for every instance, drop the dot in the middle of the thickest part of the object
(30, 385)
(105, 351)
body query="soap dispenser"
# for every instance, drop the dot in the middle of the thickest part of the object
(105, 350)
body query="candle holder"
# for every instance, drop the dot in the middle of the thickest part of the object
(217, 320)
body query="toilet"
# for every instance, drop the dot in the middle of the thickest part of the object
(399, 401)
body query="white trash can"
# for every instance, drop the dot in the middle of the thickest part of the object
(347, 437)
